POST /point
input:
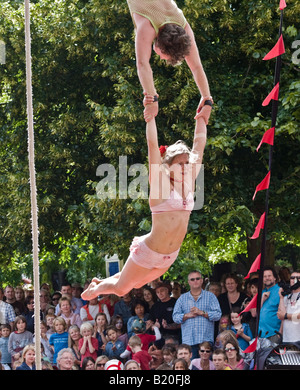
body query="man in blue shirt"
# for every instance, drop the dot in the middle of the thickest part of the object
(196, 311)
(269, 323)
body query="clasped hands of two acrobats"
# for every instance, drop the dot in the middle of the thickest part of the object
(151, 107)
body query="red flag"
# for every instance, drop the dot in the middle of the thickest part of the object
(251, 347)
(260, 225)
(282, 4)
(267, 138)
(251, 305)
(272, 95)
(277, 50)
(263, 185)
(254, 267)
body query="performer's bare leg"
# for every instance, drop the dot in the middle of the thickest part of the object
(131, 276)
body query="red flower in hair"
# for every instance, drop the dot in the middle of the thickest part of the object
(162, 149)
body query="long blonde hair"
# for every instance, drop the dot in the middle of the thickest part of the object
(28, 347)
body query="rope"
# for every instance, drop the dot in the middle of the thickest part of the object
(34, 209)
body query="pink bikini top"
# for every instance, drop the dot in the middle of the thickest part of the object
(175, 203)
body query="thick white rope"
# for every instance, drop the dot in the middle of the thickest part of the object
(34, 209)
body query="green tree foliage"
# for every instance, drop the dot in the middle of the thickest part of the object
(88, 111)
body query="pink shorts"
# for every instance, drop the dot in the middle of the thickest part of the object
(145, 257)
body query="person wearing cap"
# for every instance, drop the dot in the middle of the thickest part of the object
(162, 310)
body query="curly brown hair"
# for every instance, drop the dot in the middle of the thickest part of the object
(173, 41)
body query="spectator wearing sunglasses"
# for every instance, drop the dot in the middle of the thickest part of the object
(204, 362)
(100, 362)
(196, 311)
(235, 360)
(289, 310)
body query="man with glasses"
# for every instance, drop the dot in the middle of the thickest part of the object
(196, 311)
(65, 359)
(289, 310)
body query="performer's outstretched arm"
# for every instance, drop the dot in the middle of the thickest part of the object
(145, 35)
(199, 143)
(194, 62)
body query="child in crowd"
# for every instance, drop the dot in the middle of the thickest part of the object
(180, 364)
(224, 323)
(48, 351)
(18, 340)
(88, 345)
(59, 339)
(74, 337)
(222, 337)
(67, 313)
(220, 360)
(2, 368)
(169, 352)
(5, 331)
(114, 348)
(49, 318)
(118, 322)
(139, 355)
(28, 358)
(241, 329)
(100, 333)
(139, 328)
(89, 311)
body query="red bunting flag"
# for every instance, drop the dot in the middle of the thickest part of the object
(267, 138)
(254, 267)
(272, 95)
(282, 4)
(263, 185)
(251, 347)
(260, 225)
(277, 50)
(251, 305)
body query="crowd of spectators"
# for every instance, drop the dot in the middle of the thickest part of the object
(196, 325)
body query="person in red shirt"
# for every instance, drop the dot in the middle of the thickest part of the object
(88, 345)
(138, 354)
(139, 327)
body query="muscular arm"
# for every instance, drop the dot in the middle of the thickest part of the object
(144, 38)
(194, 63)
(145, 35)
(199, 143)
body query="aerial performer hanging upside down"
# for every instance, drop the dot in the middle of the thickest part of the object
(161, 25)
(173, 171)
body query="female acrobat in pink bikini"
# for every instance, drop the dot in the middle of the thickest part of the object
(172, 179)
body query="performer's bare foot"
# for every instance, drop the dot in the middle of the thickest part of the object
(92, 290)
(96, 280)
